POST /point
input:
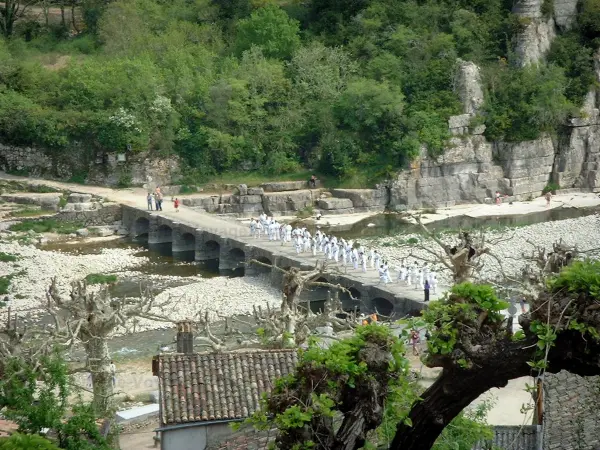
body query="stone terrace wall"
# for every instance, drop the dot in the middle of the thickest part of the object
(571, 412)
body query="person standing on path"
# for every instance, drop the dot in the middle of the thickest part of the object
(548, 198)
(426, 290)
(113, 372)
(498, 198)
(176, 204)
(149, 200)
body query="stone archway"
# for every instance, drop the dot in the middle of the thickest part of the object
(383, 306)
(236, 258)
(351, 301)
(260, 269)
(141, 230)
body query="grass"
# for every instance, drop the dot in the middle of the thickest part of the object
(46, 226)
(31, 212)
(100, 278)
(305, 212)
(7, 257)
(4, 284)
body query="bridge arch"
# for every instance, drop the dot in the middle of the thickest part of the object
(188, 240)
(141, 229)
(259, 268)
(383, 306)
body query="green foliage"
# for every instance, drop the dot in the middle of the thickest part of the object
(352, 89)
(468, 428)
(551, 187)
(575, 56)
(46, 226)
(271, 29)
(581, 277)
(523, 103)
(20, 441)
(5, 284)
(7, 257)
(464, 305)
(589, 19)
(100, 278)
(297, 404)
(547, 8)
(37, 397)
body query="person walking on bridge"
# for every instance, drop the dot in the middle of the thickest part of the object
(149, 200)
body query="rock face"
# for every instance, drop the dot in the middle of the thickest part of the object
(364, 200)
(468, 86)
(281, 186)
(564, 13)
(48, 201)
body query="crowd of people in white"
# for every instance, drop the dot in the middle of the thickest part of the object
(348, 253)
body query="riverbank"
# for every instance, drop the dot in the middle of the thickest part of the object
(508, 246)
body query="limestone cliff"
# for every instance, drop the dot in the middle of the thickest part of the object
(473, 169)
(536, 34)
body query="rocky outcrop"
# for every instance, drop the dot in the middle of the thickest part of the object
(281, 186)
(48, 201)
(365, 200)
(469, 87)
(139, 170)
(537, 32)
(564, 13)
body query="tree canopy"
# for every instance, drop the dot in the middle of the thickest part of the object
(353, 89)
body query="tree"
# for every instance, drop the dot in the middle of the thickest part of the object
(10, 12)
(338, 394)
(477, 352)
(271, 29)
(91, 318)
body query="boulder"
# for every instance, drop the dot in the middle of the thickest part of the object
(335, 203)
(364, 198)
(46, 201)
(102, 231)
(244, 199)
(256, 191)
(82, 232)
(243, 189)
(77, 197)
(280, 202)
(281, 186)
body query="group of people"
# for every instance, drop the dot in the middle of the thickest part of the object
(156, 198)
(348, 253)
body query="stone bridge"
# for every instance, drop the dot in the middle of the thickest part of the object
(233, 254)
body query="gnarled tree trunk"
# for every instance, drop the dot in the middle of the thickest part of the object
(99, 364)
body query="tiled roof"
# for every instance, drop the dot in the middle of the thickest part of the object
(218, 386)
(512, 438)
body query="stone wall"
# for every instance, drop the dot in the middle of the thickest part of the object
(571, 412)
(139, 170)
(105, 214)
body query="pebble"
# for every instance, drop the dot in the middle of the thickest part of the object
(512, 243)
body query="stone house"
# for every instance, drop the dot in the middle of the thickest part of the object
(201, 395)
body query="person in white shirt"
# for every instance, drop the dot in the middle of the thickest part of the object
(433, 282)
(376, 259)
(363, 260)
(372, 257)
(418, 278)
(259, 229)
(355, 258)
(299, 243)
(382, 277)
(252, 227)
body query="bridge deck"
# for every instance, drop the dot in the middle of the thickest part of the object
(241, 233)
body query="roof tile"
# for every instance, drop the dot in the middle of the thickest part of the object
(218, 386)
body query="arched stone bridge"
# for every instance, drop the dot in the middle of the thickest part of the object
(234, 249)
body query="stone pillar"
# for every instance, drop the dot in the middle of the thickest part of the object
(185, 337)
(207, 246)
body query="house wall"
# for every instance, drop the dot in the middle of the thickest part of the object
(191, 438)
(571, 412)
